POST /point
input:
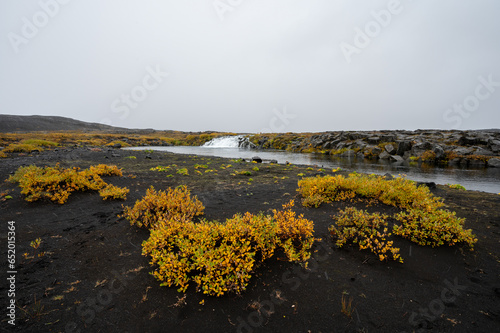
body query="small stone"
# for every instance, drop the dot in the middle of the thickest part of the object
(390, 149)
(494, 162)
(430, 185)
(396, 158)
(257, 159)
(384, 155)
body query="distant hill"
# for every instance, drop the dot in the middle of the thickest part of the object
(12, 123)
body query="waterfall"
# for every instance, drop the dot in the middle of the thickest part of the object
(234, 141)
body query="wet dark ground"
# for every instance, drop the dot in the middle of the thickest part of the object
(93, 277)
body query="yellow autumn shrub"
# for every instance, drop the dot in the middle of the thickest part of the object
(423, 220)
(221, 257)
(369, 231)
(434, 228)
(159, 205)
(57, 183)
(113, 192)
(21, 148)
(398, 192)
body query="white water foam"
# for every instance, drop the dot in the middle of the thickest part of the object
(225, 142)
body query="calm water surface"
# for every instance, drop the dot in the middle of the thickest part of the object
(483, 179)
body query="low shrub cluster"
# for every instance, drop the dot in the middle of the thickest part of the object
(422, 219)
(218, 257)
(369, 231)
(398, 192)
(160, 206)
(21, 148)
(56, 183)
(29, 145)
(163, 168)
(182, 171)
(435, 228)
(113, 192)
(40, 143)
(457, 187)
(118, 142)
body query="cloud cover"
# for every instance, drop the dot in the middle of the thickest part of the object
(246, 66)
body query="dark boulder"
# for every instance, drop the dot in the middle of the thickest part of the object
(376, 150)
(494, 145)
(390, 149)
(356, 135)
(494, 162)
(430, 185)
(316, 141)
(474, 139)
(330, 144)
(439, 151)
(388, 176)
(403, 146)
(463, 151)
(388, 138)
(419, 148)
(384, 155)
(396, 158)
(482, 151)
(257, 159)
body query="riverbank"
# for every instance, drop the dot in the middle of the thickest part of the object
(430, 147)
(92, 276)
(464, 148)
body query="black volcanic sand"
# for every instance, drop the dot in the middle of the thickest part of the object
(93, 277)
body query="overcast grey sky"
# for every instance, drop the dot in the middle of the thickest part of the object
(252, 66)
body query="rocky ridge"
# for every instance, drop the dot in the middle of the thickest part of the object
(465, 148)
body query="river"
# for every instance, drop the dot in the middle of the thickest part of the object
(479, 179)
